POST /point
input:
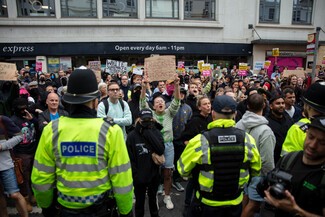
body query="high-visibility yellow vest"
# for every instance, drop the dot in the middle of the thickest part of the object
(197, 151)
(83, 158)
(296, 136)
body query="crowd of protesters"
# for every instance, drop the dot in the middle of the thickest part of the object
(179, 109)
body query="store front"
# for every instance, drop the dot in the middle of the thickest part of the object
(223, 54)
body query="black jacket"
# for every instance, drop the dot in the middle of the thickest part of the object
(45, 116)
(196, 125)
(141, 143)
(280, 127)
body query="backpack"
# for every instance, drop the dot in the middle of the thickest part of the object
(289, 160)
(107, 105)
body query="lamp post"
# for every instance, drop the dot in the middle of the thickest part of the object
(313, 72)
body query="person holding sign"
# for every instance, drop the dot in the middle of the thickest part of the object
(165, 118)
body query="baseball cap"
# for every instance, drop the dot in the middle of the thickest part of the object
(137, 86)
(183, 90)
(224, 104)
(145, 114)
(275, 97)
(318, 122)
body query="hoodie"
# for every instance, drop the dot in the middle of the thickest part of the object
(257, 127)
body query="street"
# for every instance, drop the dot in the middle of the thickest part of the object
(177, 198)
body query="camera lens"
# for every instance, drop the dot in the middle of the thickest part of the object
(277, 191)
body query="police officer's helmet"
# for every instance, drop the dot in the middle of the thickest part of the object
(314, 96)
(82, 87)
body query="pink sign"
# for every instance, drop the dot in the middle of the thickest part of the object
(38, 67)
(291, 62)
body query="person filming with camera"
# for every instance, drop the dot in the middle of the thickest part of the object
(296, 187)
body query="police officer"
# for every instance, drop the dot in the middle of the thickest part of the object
(314, 105)
(83, 157)
(219, 160)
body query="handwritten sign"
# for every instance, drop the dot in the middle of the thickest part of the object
(8, 72)
(243, 69)
(160, 67)
(94, 65)
(299, 73)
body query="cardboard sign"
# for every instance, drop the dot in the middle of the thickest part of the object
(258, 65)
(299, 73)
(94, 65)
(8, 72)
(65, 63)
(160, 67)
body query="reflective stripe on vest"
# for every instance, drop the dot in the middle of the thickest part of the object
(81, 167)
(85, 200)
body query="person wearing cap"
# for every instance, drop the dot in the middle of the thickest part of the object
(146, 148)
(306, 197)
(223, 149)
(165, 116)
(279, 122)
(84, 157)
(314, 105)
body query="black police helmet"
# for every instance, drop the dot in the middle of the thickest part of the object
(82, 87)
(314, 96)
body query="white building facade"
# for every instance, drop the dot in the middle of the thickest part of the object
(222, 32)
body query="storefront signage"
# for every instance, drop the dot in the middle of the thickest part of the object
(111, 48)
(288, 54)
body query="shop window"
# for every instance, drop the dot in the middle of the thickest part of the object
(302, 11)
(79, 8)
(162, 9)
(199, 10)
(3, 10)
(269, 11)
(36, 8)
(120, 8)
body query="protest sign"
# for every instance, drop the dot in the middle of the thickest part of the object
(160, 67)
(199, 65)
(258, 65)
(267, 64)
(137, 71)
(181, 66)
(299, 73)
(206, 69)
(94, 65)
(65, 63)
(243, 69)
(8, 72)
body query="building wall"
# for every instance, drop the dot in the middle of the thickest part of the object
(230, 26)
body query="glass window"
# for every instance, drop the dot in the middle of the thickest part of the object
(302, 11)
(269, 11)
(120, 8)
(162, 9)
(3, 10)
(36, 8)
(79, 8)
(199, 9)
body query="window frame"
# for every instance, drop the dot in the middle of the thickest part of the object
(83, 17)
(174, 11)
(51, 3)
(135, 4)
(3, 9)
(211, 15)
(297, 13)
(265, 19)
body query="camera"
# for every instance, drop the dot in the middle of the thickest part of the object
(278, 181)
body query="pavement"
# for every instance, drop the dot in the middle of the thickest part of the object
(177, 198)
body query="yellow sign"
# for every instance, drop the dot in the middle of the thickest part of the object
(275, 52)
(53, 61)
(199, 65)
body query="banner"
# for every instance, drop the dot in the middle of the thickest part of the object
(160, 67)
(8, 72)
